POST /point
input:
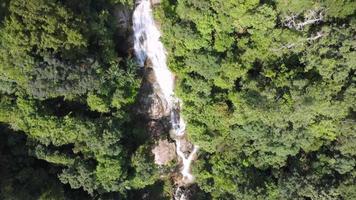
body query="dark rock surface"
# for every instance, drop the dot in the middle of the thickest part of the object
(155, 128)
(123, 34)
(151, 104)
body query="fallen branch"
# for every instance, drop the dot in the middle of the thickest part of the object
(301, 42)
(312, 17)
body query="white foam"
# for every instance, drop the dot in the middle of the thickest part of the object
(148, 45)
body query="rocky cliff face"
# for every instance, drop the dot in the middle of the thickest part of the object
(157, 103)
(123, 18)
(151, 103)
(152, 106)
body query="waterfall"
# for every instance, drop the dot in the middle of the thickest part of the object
(147, 46)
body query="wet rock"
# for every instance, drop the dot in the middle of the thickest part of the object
(152, 103)
(155, 128)
(164, 152)
(154, 2)
(123, 33)
(186, 193)
(186, 147)
(123, 16)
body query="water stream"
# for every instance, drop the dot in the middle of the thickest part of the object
(147, 45)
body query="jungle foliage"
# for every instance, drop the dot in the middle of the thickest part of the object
(22, 176)
(65, 85)
(269, 94)
(268, 89)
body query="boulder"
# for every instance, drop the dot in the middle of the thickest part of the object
(164, 152)
(185, 146)
(154, 2)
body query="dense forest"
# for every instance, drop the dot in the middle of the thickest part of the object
(268, 88)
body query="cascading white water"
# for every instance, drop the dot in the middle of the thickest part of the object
(147, 45)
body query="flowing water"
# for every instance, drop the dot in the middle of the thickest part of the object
(147, 45)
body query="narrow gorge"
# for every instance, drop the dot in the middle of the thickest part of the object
(158, 100)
